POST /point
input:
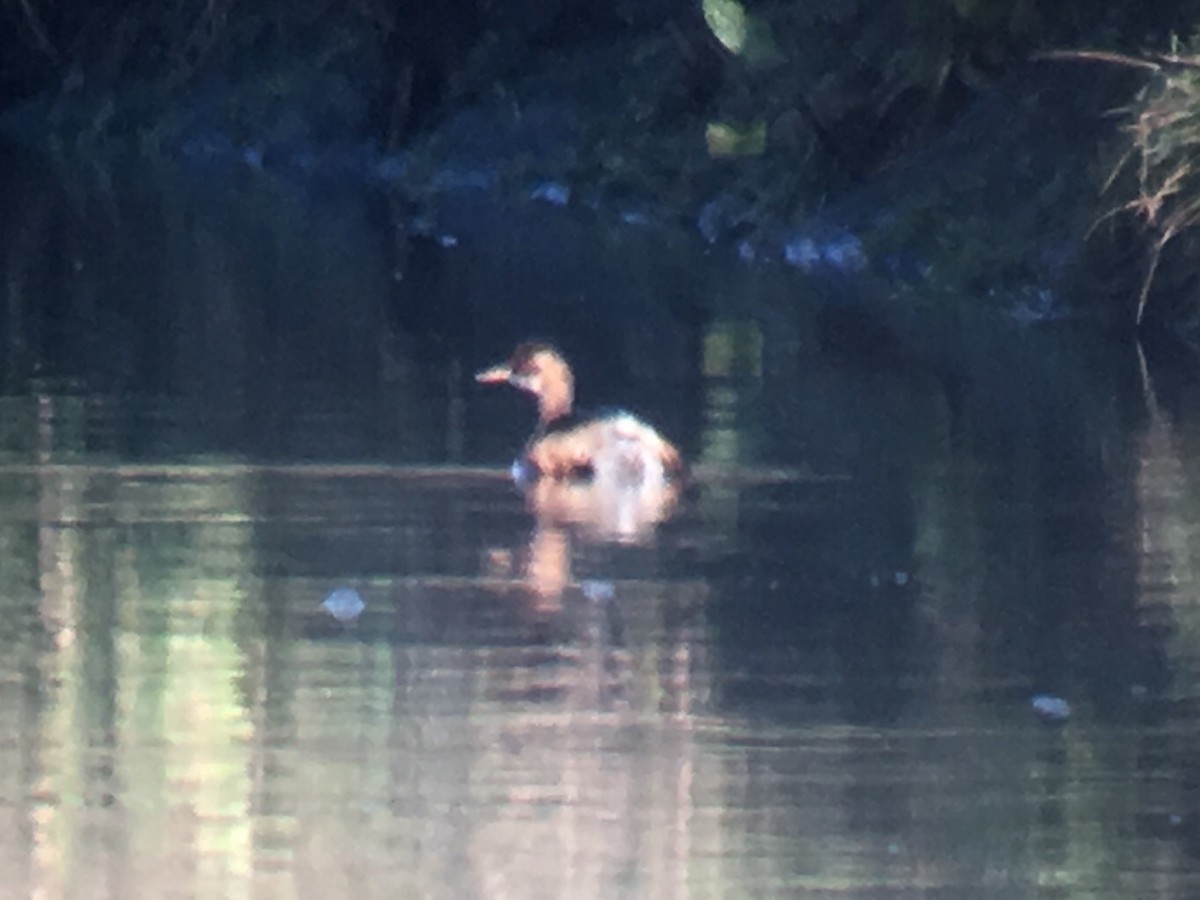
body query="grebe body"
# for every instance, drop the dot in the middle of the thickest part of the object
(616, 446)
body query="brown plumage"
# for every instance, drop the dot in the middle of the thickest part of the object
(617, 445)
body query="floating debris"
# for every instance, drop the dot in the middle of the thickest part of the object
(843, 252)
(552, 192)
(598, 591)
(344, 604)
(709, 222)
(802, 253)
(1051, 708)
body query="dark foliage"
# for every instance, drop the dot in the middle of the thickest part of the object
(403, 59)
(398, 60)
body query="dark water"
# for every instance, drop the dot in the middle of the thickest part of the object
(811, 673)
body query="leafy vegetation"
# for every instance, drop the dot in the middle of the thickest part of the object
(1157, 180)
(347, 68)
(875, 67)
(748, 114)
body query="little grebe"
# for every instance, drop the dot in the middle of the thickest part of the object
(616, 446)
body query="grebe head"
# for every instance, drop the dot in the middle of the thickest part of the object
(539, 369)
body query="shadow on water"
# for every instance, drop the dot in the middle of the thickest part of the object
(275, 621)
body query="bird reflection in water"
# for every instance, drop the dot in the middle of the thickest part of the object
(610, 478)
(598, 511)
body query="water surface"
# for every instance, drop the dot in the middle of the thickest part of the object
(811, 672)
